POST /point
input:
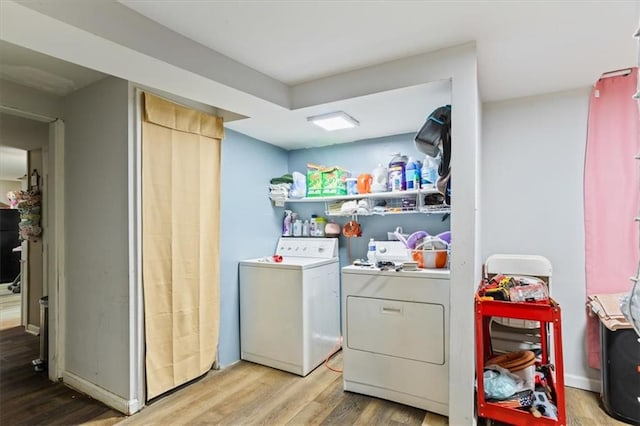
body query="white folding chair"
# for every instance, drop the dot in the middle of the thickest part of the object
(508, 334)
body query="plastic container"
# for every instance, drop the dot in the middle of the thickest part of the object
(379, 175)
(412, 175)
(305, 228)
(429, 172)
(297, 228)
(287, 229)
(321, 222)
(371, 252)
(396, 173)
(352, 186)
(430, 259)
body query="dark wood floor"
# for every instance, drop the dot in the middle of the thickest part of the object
(28, 397)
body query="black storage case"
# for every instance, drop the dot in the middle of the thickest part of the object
(9, 260)
(620, 374)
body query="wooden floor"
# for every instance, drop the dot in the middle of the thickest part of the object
(245, 393)
(29, 398)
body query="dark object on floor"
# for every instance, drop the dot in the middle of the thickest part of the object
(620, 376)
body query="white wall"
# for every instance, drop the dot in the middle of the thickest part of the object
(22, 98)
(22, 133)
(532, 174)
(97, 279)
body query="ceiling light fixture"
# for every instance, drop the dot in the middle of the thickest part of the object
(334, 121)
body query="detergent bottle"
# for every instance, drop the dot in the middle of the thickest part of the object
(412, 175)
(396, 174)
(429, 172)
(287, 229)
(379, 179)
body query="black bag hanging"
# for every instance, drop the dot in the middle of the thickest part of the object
(435, 137)
(430, 137)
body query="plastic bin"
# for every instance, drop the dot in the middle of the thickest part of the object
(620, 373)
(40, 364)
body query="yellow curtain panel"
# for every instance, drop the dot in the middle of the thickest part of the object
(180, 242)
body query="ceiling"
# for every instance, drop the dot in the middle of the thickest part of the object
(523, 48)
(43, 72)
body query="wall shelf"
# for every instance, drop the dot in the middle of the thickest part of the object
(393, 201)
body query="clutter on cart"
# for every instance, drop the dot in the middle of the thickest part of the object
(517, 380)
(514, 288)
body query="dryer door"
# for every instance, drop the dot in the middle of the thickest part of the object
(411, 330)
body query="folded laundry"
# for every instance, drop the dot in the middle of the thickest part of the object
(286, 178)
(607, 308)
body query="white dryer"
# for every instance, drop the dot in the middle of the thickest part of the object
(290, 311)
(396, 332)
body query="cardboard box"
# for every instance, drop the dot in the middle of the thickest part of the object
(334, 182)
(314, 183)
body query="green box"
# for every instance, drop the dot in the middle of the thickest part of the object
(314, 183)
(334, 182)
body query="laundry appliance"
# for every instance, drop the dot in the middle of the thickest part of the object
(290, 308)
(396, 331)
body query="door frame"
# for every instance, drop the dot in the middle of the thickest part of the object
(54, 229)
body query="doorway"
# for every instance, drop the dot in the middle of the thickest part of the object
(13, 170)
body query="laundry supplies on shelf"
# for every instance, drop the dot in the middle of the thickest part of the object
(396, 173)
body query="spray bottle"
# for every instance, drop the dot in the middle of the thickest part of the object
(286, 224)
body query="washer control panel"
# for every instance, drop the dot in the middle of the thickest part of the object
(323, 248)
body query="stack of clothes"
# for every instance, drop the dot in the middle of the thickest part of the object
(279, 188)
(607, 308)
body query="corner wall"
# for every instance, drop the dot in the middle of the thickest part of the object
(249, 224)
(96, 206)
(532, 185)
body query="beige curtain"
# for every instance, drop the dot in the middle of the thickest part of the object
(180, 235)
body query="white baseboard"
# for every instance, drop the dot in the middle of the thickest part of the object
(581, 382)
(114, 401)
(33, 329)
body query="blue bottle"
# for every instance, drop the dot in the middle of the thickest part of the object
(412, 175)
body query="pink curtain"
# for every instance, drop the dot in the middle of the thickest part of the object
(611, 195)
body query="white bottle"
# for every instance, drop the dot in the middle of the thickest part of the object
(297, 228)
(305, 228)
(429, 172)
(371, 252)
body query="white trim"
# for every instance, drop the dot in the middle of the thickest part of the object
(136, 308)
(46, 200)
(26, 114)
(584, 383)
(32, 329)
(24, 284)
(57, 282)
(114, 401)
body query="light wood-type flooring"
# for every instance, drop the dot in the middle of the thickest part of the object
(242, 394)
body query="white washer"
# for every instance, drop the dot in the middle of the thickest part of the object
(290, 311)
(396, 332)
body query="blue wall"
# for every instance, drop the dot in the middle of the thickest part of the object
(249, 225)
(362, 157)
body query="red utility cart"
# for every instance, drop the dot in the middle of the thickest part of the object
(547, 314)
